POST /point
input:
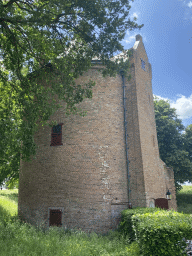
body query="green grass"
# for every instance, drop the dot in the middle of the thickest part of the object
(19, 239)
(10, 194)
(8, 204)
(22, 239)
(184, 200)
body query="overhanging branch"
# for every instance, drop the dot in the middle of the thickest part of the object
(10, 3)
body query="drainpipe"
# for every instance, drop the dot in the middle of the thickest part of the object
(126, 135)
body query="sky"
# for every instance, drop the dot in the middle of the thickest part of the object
(167, 36)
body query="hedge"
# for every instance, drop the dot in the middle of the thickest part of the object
(158, 232)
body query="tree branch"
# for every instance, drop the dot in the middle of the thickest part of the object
(23, 8)
(10, 3)
(26, 2)
(25, 38)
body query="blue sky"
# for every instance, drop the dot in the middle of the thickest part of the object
(167, 36)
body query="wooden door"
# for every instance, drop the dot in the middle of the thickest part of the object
(162, 203)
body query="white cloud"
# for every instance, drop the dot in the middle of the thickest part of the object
(189, 4)
(182, 104)
(130, 39)
(136, 15)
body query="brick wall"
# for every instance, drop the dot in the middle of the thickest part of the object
(88, 172)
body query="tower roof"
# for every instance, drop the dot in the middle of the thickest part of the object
(138, 37)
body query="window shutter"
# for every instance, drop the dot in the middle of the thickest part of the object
(56, 135)
(55, 218)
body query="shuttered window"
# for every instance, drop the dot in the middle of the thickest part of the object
(55, 217)
(56, 135)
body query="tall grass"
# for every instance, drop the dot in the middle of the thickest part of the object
(8, 205)
(26, 240)
(184, 200)
(19, 239)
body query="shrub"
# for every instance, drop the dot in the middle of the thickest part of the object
(161, 233)
(126, 224)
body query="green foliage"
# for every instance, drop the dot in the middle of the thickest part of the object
(188, 141)
(162, 232)
(126, 224)
(12, 183)
(174, 147)
(157, 232)
(184, 200)
(44, 47)
(10, 122)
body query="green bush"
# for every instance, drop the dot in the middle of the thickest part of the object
(161, 233)
(158, 232)
(126, 224)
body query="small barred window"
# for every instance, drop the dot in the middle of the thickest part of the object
(143, 64)
(55, 217)
(56, 135)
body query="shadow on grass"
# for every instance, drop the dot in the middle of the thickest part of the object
(5, 217)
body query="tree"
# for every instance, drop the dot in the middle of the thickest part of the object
(9, 133)
(172, 143)
(188, 141)
(44, 46)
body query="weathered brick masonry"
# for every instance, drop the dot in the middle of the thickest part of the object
(87, 177)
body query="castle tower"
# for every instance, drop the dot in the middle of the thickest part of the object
(101, 162)
(149, 177)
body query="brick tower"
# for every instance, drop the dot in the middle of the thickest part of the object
(88, 169)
